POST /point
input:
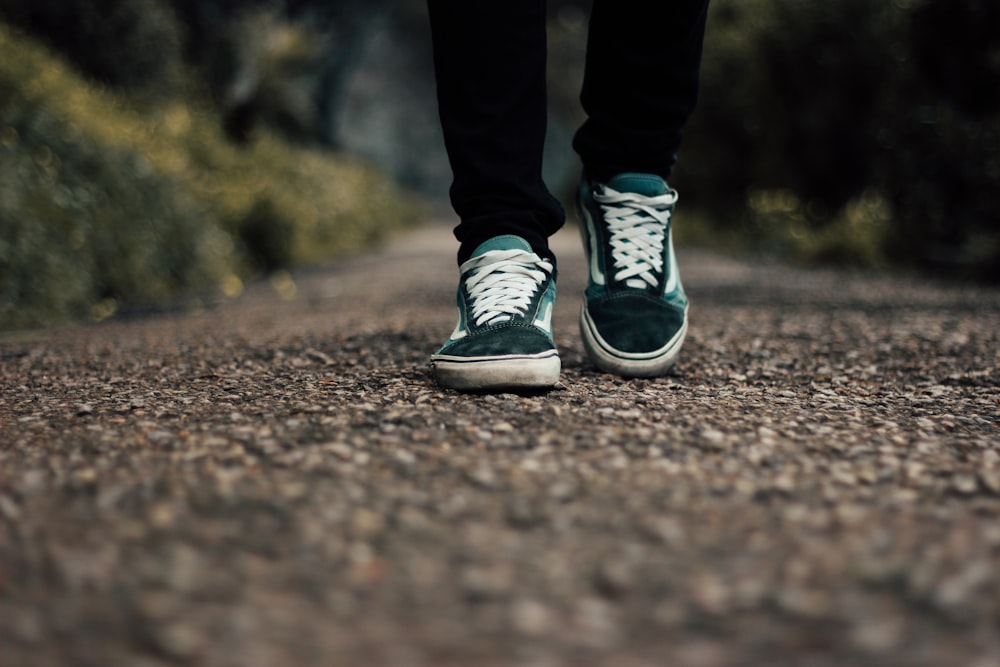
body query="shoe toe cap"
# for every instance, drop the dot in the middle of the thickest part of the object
(636, 323)
(502, 341)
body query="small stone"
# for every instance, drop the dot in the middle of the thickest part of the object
(161, 515)
(990, 479)
(613, 579)
(178, 641)
(366, 523)
(9, 509)
(530, 617)
(966, 485)
(784, 483)
(483, 476)
(524, 512)
(596, 622)
(710, 594)
(85, 476)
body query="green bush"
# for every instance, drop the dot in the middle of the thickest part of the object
(861, 130)
(107, 206)
(84, 229)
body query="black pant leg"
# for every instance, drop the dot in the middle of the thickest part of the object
(640, 84)
(489, 60)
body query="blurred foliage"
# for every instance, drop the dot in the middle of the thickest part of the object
(110, 204)
(135, 43)
(268, 75)
(861, 131)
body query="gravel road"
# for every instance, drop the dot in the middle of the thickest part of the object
(277, 482)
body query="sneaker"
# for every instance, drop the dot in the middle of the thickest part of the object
(634, 316)
(504, 335)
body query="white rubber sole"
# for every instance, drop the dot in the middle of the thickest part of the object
(627, 364)
(539, 371)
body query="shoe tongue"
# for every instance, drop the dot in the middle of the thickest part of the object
(505, 242)
(647, 185)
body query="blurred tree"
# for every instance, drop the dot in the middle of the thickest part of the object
(883, 115)
(282, 63)
(941, 130)
(967, 72)
(134, 43)
(826, 64)
(816, 115)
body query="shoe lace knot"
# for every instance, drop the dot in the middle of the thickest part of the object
(502, 283)
(637, 227)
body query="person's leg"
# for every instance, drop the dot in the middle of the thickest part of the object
(640, 86)
(489, 61)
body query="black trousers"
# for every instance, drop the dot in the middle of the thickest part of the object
(640, 87)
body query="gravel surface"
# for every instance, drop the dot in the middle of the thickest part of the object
(276, 481)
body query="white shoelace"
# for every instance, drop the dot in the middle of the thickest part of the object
(503, 282)
(637, 225)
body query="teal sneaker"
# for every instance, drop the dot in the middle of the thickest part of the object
(634, 316)
(504, 335)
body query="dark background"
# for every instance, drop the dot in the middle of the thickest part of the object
(863, 131)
